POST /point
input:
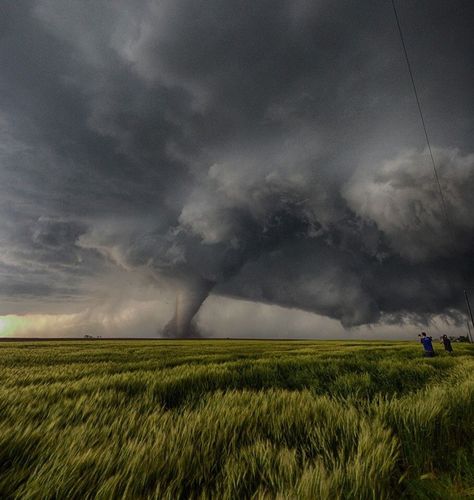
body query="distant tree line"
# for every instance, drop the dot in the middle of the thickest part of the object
(461, 338)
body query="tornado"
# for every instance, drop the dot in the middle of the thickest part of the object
(188, 302)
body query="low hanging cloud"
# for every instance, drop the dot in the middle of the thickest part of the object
(270, 153)
(402, 199)
(273, 239)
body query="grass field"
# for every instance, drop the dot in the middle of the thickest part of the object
(235, 419)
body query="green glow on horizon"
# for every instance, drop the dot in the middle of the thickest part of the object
(10, 324)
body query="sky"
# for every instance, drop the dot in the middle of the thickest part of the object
(229, 168)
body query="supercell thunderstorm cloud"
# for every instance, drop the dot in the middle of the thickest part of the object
(163, 151)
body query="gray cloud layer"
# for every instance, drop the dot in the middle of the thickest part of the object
(266, 151)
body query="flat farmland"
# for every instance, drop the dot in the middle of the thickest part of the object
(235, 419)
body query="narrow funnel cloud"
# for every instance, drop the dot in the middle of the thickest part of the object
(188, 301)
(183, 157)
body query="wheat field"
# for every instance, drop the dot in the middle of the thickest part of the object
(235, 419)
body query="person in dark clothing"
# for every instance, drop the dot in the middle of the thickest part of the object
(427, 343)
(447, 344)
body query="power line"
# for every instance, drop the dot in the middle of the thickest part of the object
(435, 170)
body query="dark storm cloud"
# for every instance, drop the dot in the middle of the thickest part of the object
(269, 150)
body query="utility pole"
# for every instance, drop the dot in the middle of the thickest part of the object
(469, 310)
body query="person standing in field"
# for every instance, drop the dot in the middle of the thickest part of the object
(447, 344)
(427, 343)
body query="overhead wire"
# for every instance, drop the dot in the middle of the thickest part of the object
(423, 123)
(428, 143)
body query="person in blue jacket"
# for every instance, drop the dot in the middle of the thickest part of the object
(427, 343)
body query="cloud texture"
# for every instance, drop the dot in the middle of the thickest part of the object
(268, 151)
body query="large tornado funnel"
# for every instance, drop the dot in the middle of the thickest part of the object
(188, 302)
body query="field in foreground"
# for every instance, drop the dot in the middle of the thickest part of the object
(236, 419)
